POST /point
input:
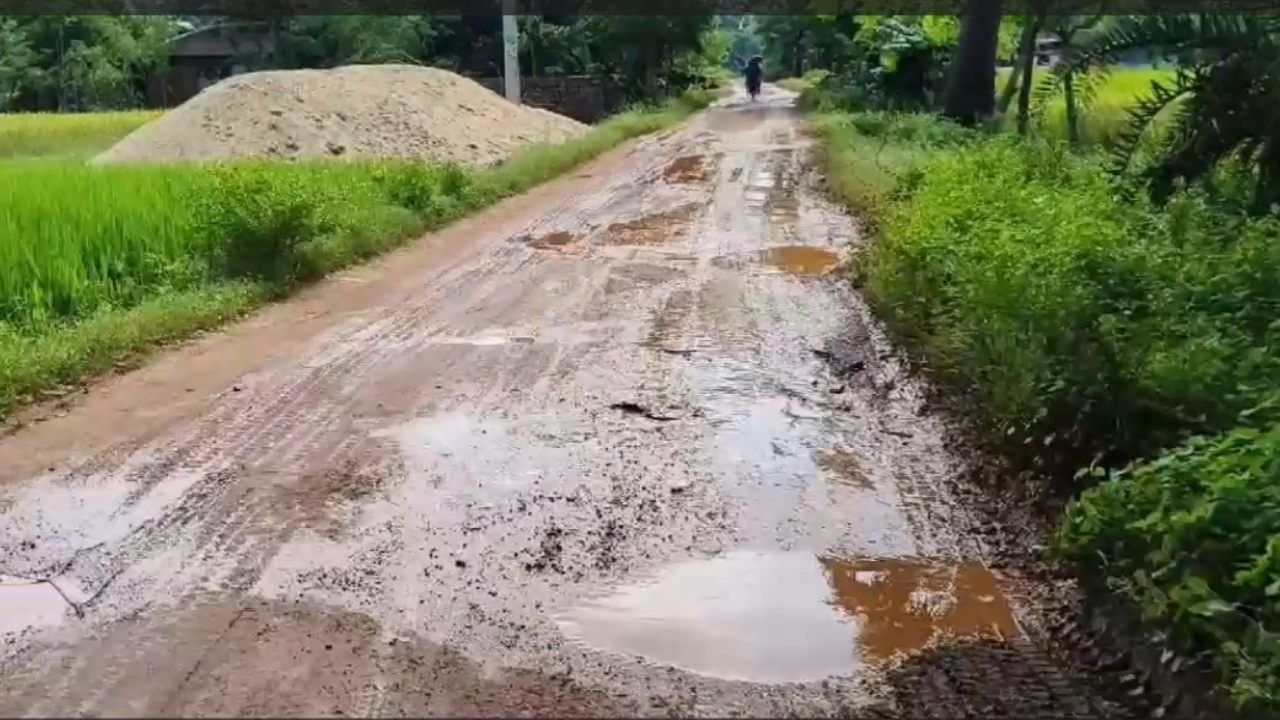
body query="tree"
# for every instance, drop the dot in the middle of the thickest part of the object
(647, 54)
(1026, 67)
(1029, 28)
(333, 40)
(1226, 94)
(971, 83)
(743, 40)
(79, 62)
(18, 62)
(778, 39)
(1070, 29)
(552, 46)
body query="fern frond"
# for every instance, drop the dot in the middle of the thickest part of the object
(1144, 114)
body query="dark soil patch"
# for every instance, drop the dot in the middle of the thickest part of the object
(988, 678)
(688, 169)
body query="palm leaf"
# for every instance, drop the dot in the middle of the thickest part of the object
(1143, 115)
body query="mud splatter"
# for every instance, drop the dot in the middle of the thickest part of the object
(847, 468)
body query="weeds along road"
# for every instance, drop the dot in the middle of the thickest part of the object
(583, 454)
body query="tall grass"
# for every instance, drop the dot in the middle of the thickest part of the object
(100, 261)
(78, 135)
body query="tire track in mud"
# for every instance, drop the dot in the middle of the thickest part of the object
(584, 468)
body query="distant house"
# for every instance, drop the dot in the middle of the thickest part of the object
(200, 57)
(1048, 50)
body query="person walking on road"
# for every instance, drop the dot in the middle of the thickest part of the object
(754, 73)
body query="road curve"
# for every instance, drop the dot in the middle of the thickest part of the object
(620, 446)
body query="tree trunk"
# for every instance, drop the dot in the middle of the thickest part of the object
(1026, 48)
(1069, 96)
(1027, 68)
(799, 54)
(971, 83)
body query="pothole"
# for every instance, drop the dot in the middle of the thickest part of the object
(656, 229)
(776, 617)
(687, 170)
(560, 240)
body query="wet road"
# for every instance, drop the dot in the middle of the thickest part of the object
(585, 454)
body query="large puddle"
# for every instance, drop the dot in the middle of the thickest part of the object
(26, 604)
(789, 617)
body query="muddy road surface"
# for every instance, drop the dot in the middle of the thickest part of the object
(621, 446)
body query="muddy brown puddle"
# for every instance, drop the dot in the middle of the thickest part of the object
(801, 260)
(797, 260)
(777, 617)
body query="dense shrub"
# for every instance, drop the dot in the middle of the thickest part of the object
(1084, 325)
(1193, 539)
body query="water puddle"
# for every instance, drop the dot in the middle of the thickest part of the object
(801, 260)
(903, 606)
(846, 467)
(789, 617)
(26, 604)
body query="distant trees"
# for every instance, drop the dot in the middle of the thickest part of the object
(91, 62)
(78, 62)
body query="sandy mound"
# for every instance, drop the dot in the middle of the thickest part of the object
(366, 111)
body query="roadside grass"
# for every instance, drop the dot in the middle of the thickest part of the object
(1114, 348)
(71, 135)
(100, 263)
(869, 158)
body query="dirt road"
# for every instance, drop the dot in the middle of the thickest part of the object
(615, 447)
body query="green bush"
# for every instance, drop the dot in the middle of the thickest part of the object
(1086, 327)
(1193, 539)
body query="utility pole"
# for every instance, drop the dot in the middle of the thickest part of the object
(510, 51)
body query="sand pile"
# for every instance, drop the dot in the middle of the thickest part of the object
(383, 111)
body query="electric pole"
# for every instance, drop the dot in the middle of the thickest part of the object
(510, 51)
